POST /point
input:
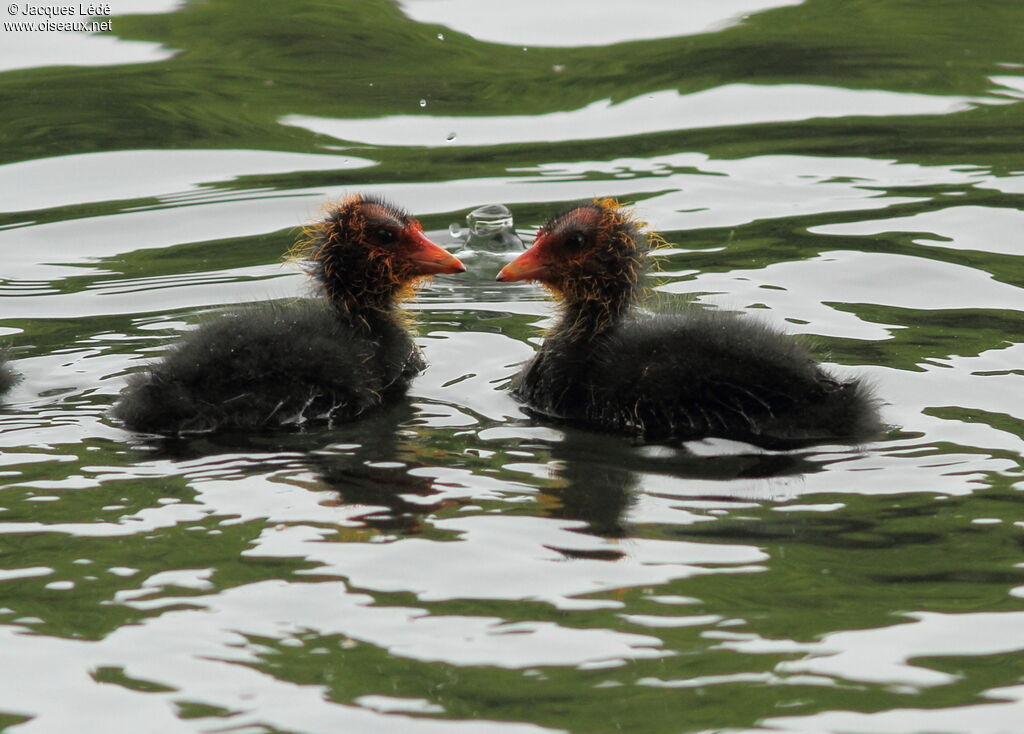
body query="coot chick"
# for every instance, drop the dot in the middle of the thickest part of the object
(683, 375)
(330, 358)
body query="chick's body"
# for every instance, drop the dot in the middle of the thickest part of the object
(318, 359)
(683, 375)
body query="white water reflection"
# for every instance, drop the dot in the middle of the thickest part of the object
(523, 552)
(195, 656)
(954, 227)
(1001, 713)
(885, 655)
(582, 22)
(660, 111)
(27, 49)
(44, 183)
(844, 277)
(685, 191)
(1010, 85)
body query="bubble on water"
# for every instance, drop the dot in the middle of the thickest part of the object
(491, 229)
(423, 103)
(455, 230)
(489, 218)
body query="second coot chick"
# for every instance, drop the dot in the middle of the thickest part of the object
(330, 358)
(668, 376)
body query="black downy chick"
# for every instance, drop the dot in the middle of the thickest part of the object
(667, 376)
(330, 358)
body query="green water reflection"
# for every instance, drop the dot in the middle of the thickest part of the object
(822, 545)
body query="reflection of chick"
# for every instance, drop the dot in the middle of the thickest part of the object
(328, 359)
(373, 466)
(686, 375)
(598, 478)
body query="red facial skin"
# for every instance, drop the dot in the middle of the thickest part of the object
(549, 251)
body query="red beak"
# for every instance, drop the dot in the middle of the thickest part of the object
(428, 258)
(531, 265)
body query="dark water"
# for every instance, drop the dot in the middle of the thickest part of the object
(853, 171)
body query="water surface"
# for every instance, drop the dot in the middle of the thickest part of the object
(851, 172)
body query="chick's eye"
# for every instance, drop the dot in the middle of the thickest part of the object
(574, 240)
(385, 236)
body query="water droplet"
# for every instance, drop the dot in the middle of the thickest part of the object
(558, 67)
(489, 219)
(440, 36)
(455, 230)
(423, 103)
(491, 229)
(451, 136)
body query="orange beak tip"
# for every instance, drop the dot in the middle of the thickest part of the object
(530, 265)
(457, 266)
(440, 265)
(432, 259)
